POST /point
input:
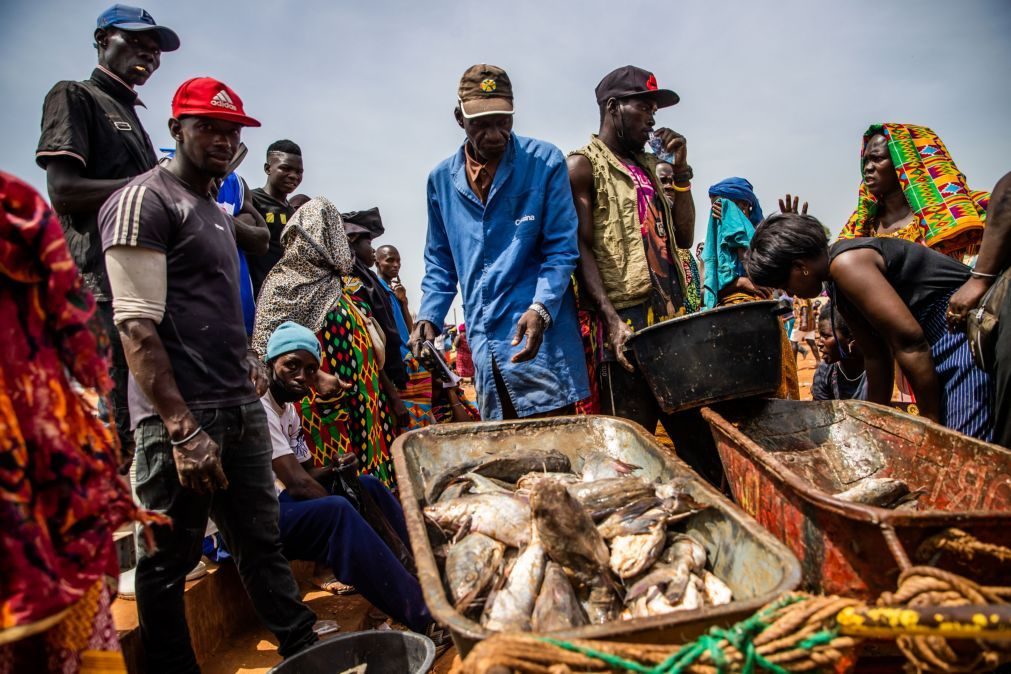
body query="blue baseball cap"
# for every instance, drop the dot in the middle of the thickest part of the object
(136, 19)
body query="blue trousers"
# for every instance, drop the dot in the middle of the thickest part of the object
(331, 531)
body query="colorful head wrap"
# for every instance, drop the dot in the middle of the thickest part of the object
(949, 215)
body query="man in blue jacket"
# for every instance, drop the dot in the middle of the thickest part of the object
(502, 225)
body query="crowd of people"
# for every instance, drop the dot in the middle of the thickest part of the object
(263, 355)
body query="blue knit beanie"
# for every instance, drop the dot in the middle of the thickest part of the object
(290, 336)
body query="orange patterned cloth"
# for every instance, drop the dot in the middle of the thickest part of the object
(61, 498)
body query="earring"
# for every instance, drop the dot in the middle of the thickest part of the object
(806, 272)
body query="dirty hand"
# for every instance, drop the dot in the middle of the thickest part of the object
(618, 332)
(423, 330)
(257, 372)
(198, 463)
(964, 300)
(676, 144)
(789, 205)
(532, 326)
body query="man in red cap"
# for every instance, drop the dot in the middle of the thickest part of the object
(92, 144)
(629, 272)
(202, 440)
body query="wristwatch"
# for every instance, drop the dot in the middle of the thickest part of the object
(542, 311)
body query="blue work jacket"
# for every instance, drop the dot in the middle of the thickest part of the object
(518, 248)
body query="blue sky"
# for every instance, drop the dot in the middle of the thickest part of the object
(777, 92)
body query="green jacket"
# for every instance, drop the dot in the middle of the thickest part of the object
(617, 238)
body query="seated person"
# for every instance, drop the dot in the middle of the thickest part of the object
(840, 374)
(316, 525)
(894, 295)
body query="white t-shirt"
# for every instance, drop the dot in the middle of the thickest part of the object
(285, 432)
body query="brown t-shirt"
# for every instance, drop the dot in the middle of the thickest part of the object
(202, 330)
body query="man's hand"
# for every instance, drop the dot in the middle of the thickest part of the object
(257, 373)
(789, 205)
(964, 300)
(530, 325)
(331, 386)
(742, 284)
(423, 331)
(399, 410)
(399, 291)
(198, 463)
(677, 145)
(618, 332)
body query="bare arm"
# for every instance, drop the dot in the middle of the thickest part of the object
(994, 254)
(590, 282)
(878, 361)
(299, 483)
(684, 218)
(70, 192)
(860, 275)
(251, 232)
(198, 461)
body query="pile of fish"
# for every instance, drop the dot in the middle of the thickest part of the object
(534, 546)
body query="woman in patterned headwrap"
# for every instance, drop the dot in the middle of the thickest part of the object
(61, 498)
(913, 190)
(313, 286)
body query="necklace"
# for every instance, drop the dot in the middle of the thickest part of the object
(842, 373)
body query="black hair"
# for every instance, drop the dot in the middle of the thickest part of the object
(779, 240)
(830, 314)
(286, 146)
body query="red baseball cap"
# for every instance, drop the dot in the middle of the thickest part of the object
(207, 97)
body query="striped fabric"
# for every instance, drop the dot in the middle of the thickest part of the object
(967, 392)
(127, 227)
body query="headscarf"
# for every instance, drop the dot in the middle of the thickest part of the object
(739, 189)
(306, 283)
(724, 236)
(949, 215)
(369, 223)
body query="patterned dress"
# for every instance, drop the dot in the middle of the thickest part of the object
(357, 421)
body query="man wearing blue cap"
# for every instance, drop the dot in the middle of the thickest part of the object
(317, 525)
(92, 144)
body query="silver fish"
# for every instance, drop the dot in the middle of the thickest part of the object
(508, 466)
(602, 605)
(504, 518)
(670, 579)
(631, 555)
(455, 490)
(511, 607)
(527, 481)
(715, 591)
(471, 566)
(883, 492)
(605, 496)
(637, 517)
(685, 548)
(479, 484)
(598, 466)
(557, 607)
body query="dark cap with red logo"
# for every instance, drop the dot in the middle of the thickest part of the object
(207, 97)
(629, 81)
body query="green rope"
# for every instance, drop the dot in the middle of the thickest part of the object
(741, 636)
